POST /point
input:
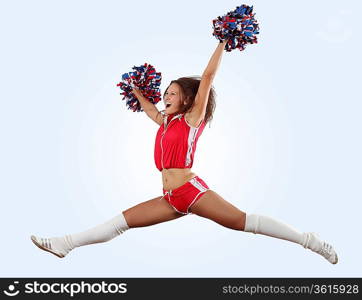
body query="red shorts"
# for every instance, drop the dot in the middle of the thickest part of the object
(184, 196)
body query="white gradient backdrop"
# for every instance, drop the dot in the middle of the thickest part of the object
(285, 140)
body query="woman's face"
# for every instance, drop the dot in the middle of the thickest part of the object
(172, 99)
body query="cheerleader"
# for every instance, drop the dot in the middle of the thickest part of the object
(189, 106)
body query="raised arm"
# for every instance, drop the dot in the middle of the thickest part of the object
(149, 108)
(199, 110)
(215, 60)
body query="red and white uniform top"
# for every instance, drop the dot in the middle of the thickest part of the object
(175, 143)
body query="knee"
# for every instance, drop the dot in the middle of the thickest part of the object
(128, 218)
(237, 222)
(240, 225)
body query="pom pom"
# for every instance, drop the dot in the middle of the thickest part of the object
(147, 80)
(238, 27)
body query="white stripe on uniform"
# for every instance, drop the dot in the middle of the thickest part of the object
(190, 143)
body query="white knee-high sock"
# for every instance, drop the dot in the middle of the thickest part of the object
(271, 227)
(98, 234)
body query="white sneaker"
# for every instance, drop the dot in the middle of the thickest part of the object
(46, 245)
(314, 243)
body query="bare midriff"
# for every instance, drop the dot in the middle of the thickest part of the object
(174, 178)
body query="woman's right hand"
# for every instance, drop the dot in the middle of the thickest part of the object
(136, 92)
(145, 103)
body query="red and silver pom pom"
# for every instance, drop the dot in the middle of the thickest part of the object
(147, 80)
(238, 27)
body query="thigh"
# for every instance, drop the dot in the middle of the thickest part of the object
(150, 212)
(212, 206)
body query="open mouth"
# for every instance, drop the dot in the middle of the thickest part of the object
(168, 105)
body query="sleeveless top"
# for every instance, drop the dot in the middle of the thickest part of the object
(175, 143)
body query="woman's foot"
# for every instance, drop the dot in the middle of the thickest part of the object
(56, 246)
(313, 242)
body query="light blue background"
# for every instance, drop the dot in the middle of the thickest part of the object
(285, 140)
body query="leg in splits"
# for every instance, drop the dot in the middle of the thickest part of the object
(214, 207)
(147, 213)
(150, 212)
